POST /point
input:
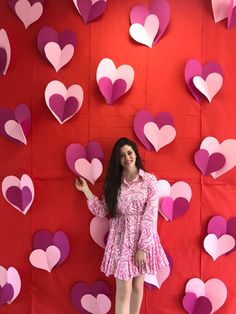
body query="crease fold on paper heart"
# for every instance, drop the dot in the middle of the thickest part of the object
(45, 260)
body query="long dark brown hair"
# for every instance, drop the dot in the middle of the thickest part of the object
(112, 181)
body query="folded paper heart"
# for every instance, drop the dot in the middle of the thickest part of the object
(224, 9)
(90, 9)
(62, 102)
(6, 294)
(172, 209)
(9, 278)
(113, 82)
(45, 260)
(232, 14)
(99, 228)
(157, 279)
(18, 192)
(99, 304)
(216, 247)
(208, 164)
(194, 305)
(5, 52)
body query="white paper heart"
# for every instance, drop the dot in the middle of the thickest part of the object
(58, 57)
(28, 13)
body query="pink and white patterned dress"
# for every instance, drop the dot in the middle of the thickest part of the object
(135, 227)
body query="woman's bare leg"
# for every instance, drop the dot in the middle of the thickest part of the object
(137, 294)
(123, 295)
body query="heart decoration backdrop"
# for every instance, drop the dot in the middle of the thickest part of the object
(90, 9)
(5, 52)
(10, 285)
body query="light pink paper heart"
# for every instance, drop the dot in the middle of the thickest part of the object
(210, 86)
(220, 9)
(216, 247)
(159, 137)
(158, 279)
(90, 171)
(214, 289)
(12, 277)
(14, 130)
(5, 44)
(28, 13)
(96, 305)
(58, 57)
(99, 227)
(45, 259)
(145, 34)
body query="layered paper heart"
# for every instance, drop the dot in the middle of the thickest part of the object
(224, 9)
(85, 161)
(204, 298)
(149, 24)
(18, 192)
(154, 132)
(221, 236)
(99, 230)
(49, 250)
(174, 200)
(215, 158)
(15, 125)
(57, 48)
(114, 82)
(90, 9)
(62, 102)
(10, 285)
(5, 52)
(91, 299)
(204, 80)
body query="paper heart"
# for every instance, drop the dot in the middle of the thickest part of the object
(11, 277)
(114, 82)
(217, 247)
(5, 52)
(232, 14)
(194, 305)
(145, 34)
(173, 208)
(157, 279)
(6, 294)
(62, 102)
(90, 171)
(100, 304)
(58, 57)
(210, 86)
(18, 192)
(220, 9)
(90, 9)
(208, 164)
(214, 289)
(45, 259)
(99, 228)
(28, 13)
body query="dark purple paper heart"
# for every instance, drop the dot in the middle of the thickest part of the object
(81, 288)
(6, 293)
(217, 225)
(203, 306)
(20, 198)
(90, 11)
(63, 108)
(3, 60)
(208, 164)
(231, 230)
(173, 209)
(111, 92)
(94, 150)
(23, 116)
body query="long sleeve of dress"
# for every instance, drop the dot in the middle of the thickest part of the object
(148, 227)
(97, 207)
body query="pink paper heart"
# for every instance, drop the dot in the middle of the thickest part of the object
(210, 86)
(220, 9)
(100, 304)
(90, 171)
(58, 57)
(45, 259)
(28, 13)
(12, 277)
(6, 51)
(15, 130)
(157, 279)
(99, 227)
(145, 34)
(216, 247)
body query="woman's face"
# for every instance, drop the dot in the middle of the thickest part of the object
(127, 157)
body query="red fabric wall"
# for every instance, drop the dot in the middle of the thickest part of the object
(158, 86)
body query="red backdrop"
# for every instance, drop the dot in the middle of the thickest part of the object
(158, 86)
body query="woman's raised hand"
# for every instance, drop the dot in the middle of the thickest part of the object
(81, 184)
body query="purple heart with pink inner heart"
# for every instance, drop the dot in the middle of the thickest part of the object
(112, 91)
(43, 239)
(196, 305)
(48, 34)
(90, 10)
(194, 68)
(12, 3)
(143, 117)
(80, 289)
(160, 8)
(3, 60)
(209, 163)
(173, 208)
(6, 293)
(21, 116)
(63, 108)
(21, 198)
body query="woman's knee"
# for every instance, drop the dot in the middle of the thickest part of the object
(138, 284)
(123, 289)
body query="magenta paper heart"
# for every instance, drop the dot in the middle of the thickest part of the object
(62, 102)
(194, 305)
(114, 82)
(214, 289)
(159, 8)
(5, 52)
(217, 247)
(45, 260)
(43, 239)
(209, 163)
(99, 228)
(18, 193)
(90, 9)
(6, 294)
(10, 277)
(15, 126)
(58, 49)
(81, 289)
(159, 129)
(193, 68)
(232, 14)
(174, 208)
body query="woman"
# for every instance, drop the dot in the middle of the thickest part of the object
(133, 247)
